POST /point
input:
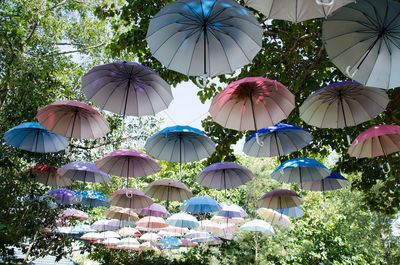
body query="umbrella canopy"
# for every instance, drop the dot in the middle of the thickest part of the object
(231, 211)
(106, 225)
(109, 234)
(170, 241)
(168, 190)
(111, 241)
(129, 231)
(47, 175)
(213, 227)
(300, 170)
(197, 234)
(127, 88)
(186, 242)
(229, 220)
(204, 37)
(33, 137)
(79, 229)
(91, 237)
(343, 104)
(175, 229)
(183, 220)
(273, 217)
(214, 240)
(63, 229)
(126, 214)
(130, 241)
(258, 225)
(90, 198)
(62, 196)
(224, 175)
(73, 119)
(150, 237)
(280, 199)
(200, 204)
(252, 103)
(380, 140)
(156, 210)
(74, 214)
(151, 222)
(333, 182)
(84, 171)
(280, 139)
(130, 198)
(362, 39)
(295, 212)
(296, 10)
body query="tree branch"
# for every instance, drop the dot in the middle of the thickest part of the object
(69, 52)
(100, 145)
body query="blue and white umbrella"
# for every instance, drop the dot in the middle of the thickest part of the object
(231, 211)
(280, 139)
(182, 220)
(79, 229)
(90, 198)
(295, 212)
(200, 204)
(33, 137)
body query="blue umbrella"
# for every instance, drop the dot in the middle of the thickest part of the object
(170, 242)
(200, 204)
(180, 144)
(90, 198)
(300, 170)
(33, 137)
(295, 212)
(79, 229)
(278, 140)
(62, 196)
(333, 182)
(231, 211)
(182, 220)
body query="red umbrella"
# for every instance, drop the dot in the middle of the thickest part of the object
(73, 119)
(252, 103)
(47, 175)
(130, 198)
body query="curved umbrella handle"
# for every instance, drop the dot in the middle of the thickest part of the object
(355, 142)
(258, 140)
(320, 3)
(348, 139)
(202, 81)
(388, 168)
(349, 74)
(128, 194)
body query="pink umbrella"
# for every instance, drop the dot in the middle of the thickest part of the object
(252, 103)
(155, 210)
(130, 198)
(175, 229)
(73, 119)
(151, 222)
(74, 214)
(48, 175)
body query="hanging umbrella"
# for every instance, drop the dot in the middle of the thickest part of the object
(231, 211)
(91, 237)
(151, 222)
(33, 137)
(280, 139)
(297, 10)
(280, 199)
(300, 170)
(74, 214)
(229, 220)
(130, 198)
(200, 204)
(224, 175)
(175, 229)
(129, 231)
(273, 217)
(127, 88)
(182, 220)
(213, 227)
(63, 229)
(225, 235)
(333, 182)
(62, 196)
(204, 37)
(295, 212)
(111, 242)
(73, 119)
(251, 103)
(79, 229)
(84, 171)
(150, 237)
(129, 243)
(186, 242)
(362, 39)
(47, 175)
(197, 234)
(156, 210)
(170, 242)
(149, 245)
(90, 198)
(115, 212)
(106, 225)
(180, 144)
(168, 190)
(214, 240)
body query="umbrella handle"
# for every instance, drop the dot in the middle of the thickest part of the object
(355, 142)
(320, 3)
(128, 194)
(202, 81)
(348, 139)
(258, 140)
(348, 71)
(388, 168)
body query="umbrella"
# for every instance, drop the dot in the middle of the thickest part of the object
(149, 245)
(115, 212)
(90, 198)
(186, 242)
(362, 39)
(127, 88)
(197, 234)
(111, 242)
(91, 237)
(84, 171)
(175, 229)
(296, 10)
(333, 182)
(62, 196)
(170, 242)
(229, 220)
(168, 190)
(63, 229)
(130, 198)
(74, 214)
(183, 220)
(33, 137)
(151, 222)
(295, 212)
(200, 204)
(73, 119)
(231, 211)
(47, 175)
(300, 170)
(280, 199)
(150, 237)
(129, 231)
(213, 227)
(129, 243)
(106, 225)
(128, 163)
(155, 210)
(204, 37)
(274, 217)
(214, 240)
(280, 139)
(224, 175)
(108, 234)
(180, 144)
(251, 103)
(79, 229)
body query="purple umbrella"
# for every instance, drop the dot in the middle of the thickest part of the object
(156, 210)
(84, 171)
(62, 196)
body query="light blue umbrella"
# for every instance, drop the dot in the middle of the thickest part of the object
(182, 220)
(79, 229)
(231, 211)
(295, 212)
(170, 242)
(200, 204)
(90, 198)
(333, 182)
(63, 229)
(280, 139)
(300, 170)
(33, 137)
